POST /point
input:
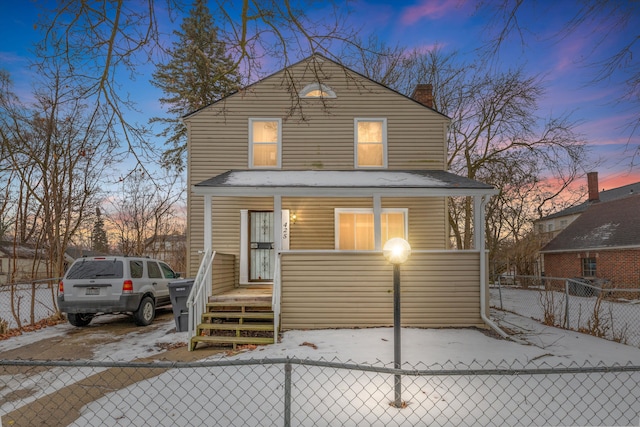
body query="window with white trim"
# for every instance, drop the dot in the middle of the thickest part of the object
(317, 90)
(265, 143)
(354, 227)
(370, 143)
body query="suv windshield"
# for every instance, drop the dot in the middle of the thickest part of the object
(89, 269)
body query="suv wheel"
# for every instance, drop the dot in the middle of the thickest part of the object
(145, 313)
(79, 319)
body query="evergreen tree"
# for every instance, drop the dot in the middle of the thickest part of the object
(99, 241)
(199, 72)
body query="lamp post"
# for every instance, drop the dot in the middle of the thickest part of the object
(396, 251)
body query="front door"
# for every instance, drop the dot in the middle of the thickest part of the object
(261, 243)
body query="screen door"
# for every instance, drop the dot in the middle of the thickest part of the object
(261, 251)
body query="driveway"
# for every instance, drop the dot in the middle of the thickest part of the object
(109, 337)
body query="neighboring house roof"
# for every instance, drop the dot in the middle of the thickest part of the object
(604, 225)
(315, 56)
(605, 196)
(390, 182)
(21, 250)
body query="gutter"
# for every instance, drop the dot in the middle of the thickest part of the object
(483, 281)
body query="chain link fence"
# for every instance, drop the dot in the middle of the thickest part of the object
(285, 392)
(24, 305)
(610, 313)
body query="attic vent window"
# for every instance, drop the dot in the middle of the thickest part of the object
(317, 90)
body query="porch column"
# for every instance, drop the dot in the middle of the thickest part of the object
(277, 224)
(208, 220)
(377, 230)
(478, 223)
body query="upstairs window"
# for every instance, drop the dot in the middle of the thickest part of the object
(317, 90)
(370, 143)
(265, 141)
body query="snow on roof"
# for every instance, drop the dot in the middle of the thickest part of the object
(331, 179)
(342, 179)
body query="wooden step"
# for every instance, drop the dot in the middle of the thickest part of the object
(252, 304)
(262, 315)
(229, 340)
(236, 327)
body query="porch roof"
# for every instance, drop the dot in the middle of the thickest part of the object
(348, 183)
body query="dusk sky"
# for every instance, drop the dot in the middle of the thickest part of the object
(454, 25)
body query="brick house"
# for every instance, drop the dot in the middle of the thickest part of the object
(602, 243)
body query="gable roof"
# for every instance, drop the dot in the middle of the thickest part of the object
(313, 57)
(605, 196)
(604, 225)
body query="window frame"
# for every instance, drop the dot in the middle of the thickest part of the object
(336, 223)
(382, 120)
(589, 265)
(304, 93)
(278, 164)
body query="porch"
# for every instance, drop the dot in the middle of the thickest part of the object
(316, 289)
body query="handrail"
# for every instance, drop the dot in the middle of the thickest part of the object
(200, 293)
(275, 298)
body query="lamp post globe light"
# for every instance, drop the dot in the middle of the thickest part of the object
(396, 251)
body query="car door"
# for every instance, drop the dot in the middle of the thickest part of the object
(159, 282)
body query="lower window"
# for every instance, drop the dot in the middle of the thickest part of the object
(588, 267)
(355, 227)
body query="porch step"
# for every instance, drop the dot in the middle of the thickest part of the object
(259, 315)
(229, 340)
(252, 326)
(251, 304)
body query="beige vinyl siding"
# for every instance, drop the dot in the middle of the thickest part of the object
(223, 273)
(316, 134)
(315, 226)
(325, 290)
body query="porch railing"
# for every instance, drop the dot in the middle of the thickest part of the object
(200, 293)
(275, 298)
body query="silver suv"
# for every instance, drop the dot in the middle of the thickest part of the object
(114, 284)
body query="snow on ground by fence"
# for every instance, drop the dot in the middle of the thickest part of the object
(616, 320)
(28, 302)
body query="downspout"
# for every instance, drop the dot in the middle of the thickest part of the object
(479, 205)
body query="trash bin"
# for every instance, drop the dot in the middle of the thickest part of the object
(179, 293)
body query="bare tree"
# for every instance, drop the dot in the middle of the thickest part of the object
(143, 211)
(58, 150)
(102, 42)
(495, 136)
(602, 20)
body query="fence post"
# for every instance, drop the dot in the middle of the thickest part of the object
(566, 304)
(500, 291)
(287, 394)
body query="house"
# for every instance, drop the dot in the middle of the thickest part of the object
(170, 248)
(553, 224)
(297, 181)
(21, 262)
(602, 243)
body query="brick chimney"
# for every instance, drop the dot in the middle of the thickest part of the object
(423, 93)
(592, 182)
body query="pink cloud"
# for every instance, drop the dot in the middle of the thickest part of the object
(431, 9)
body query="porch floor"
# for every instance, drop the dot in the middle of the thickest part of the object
(245, 295)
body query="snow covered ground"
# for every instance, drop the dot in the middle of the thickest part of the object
(238, 395)
(333, 396)
(618, 321)
(42, 296)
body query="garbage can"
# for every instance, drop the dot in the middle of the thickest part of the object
(179, 293)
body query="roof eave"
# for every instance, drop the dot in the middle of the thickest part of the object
(299, 191)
